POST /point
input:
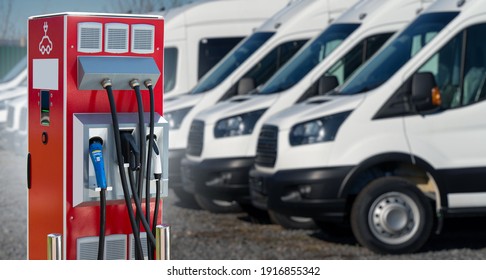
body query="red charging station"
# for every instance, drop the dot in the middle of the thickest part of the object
(74, 60)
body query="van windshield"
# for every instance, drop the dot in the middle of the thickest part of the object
(307, 58)
(232, 61)
(393, 56)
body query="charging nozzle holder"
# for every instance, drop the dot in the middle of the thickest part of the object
(130, 150)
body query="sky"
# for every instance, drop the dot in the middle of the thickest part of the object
(22, 9)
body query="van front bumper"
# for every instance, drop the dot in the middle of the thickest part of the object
(219, 179)
(304, 193)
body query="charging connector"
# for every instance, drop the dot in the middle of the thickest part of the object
(96, 155)
(157, 169)
(130, 150)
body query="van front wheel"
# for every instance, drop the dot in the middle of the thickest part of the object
(391, 216)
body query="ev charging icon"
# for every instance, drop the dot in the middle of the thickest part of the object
(45, 46)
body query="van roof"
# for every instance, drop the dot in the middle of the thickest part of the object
(206, 11)
(299, 15)
(449, 5)
(382, 12)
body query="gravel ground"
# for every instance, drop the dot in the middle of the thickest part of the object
(197, 234)
(13, 206)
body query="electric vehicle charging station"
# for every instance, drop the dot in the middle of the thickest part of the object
(90, 78)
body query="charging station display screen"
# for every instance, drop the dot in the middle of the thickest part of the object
(45, 102)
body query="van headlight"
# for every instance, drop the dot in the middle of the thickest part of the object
(237, 125)
(315, 131)
(174, 118)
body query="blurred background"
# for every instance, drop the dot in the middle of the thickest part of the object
(14, 15)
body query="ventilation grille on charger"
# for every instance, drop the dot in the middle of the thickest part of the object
(115, 247)
(116, 37)
(143, 38)
(131, 246)
(89, 37)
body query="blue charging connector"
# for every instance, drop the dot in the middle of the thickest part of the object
(96, 155)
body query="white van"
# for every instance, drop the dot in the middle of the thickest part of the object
(21, 135)
(222, 143)
(14, 120)
(16, 76)
(398, 147)
(250, 64)
(200, 34)
(7, 95)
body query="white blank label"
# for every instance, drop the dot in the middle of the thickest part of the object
(45, 74)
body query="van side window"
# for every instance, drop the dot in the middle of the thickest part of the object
(265, 68)
(346, 66)
(211, 51)
(170, 68)
(474, 88)
(460, 68)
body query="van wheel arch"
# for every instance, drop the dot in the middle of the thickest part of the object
(396, 164)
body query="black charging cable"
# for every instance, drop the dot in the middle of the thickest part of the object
(141, 134)
(157, 176)
(153, 148)
(141, 124)
(148, 85)
(131, 151)
(126, 194)
(101, 243)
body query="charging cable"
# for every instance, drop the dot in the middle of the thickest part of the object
(96, 155)
(126, 193)
(148, 85)
(128, 142)
(157, 176)
(141, 124)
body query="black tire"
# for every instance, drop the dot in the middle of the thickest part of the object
(290, 222)
(185, 198)
(217, 206)
(391, 216)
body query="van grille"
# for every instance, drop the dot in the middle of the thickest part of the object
(195, 140)
(266, 154)
(23, 119)
(10, 116)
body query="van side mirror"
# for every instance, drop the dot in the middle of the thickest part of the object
(425, 93)
(326, 84)
(245, 85)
